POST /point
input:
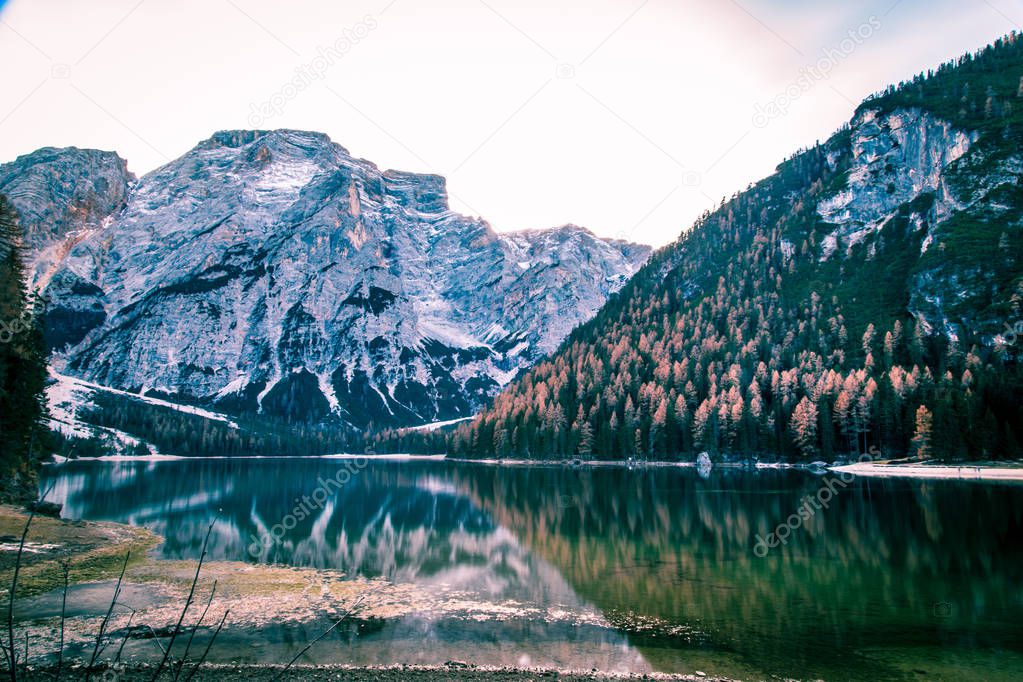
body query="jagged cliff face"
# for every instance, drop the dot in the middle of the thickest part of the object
(895, 159)
(63, 195)
(910, 165)
(273, 272)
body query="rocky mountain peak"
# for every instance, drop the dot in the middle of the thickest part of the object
(272, 272)
(60, 190)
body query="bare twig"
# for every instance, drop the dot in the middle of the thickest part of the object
(106, 619)
(322, 635)
(156, 639)
(10, 600)
(105, 644)
(124, 640)
(181, 663)
(188, 602)
(208, 647)
(14, 583)
(65, 567)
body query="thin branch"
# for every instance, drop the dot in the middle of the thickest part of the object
(65, 568)
(188, 646)
(156, 638)
(127, 631)
(188, 602)
(106, 619)
(322, 635)
(208, 647)
(130, 617)
(10, 601)
(14, 582)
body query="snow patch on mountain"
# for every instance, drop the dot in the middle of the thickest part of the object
(270, 272)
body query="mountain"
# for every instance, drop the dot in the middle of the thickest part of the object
(271, 272)
(61, 196)
(866, 296)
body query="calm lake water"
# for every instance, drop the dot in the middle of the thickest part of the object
(658, 568)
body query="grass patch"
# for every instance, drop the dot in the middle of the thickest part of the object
(96, 551)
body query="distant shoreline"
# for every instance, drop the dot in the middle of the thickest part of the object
(453, 671)
(57, 459)
(984, 471)
(975, 472)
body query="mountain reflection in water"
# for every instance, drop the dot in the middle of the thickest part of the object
(893, 577)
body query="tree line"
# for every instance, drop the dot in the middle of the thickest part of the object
(760, 332)
(24, 437)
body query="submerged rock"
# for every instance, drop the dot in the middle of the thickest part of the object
(51, 509)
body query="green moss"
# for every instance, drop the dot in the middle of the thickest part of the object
(96, 551)
(102, 564)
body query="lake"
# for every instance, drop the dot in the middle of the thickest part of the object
(735, 572)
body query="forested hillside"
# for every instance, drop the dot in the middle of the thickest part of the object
(864, 296)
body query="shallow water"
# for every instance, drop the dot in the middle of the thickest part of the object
(619, 569)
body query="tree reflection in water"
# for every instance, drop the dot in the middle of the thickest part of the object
(664, 554)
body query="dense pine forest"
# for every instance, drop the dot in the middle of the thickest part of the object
(177, 433)
(753, 335)
(24, 439)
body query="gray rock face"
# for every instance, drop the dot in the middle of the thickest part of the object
(62, 195)
(959, 197)
(273, 272)
(895, 159)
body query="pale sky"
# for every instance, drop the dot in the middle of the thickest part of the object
(629, 117)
